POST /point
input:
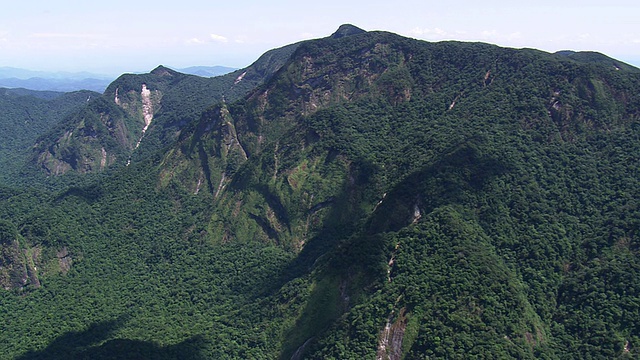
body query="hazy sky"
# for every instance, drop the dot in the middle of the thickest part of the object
(118, 36)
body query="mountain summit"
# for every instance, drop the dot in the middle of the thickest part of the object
(347, 30)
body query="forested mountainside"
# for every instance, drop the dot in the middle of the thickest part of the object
(27, 114)
(154, 106)
(376, 197)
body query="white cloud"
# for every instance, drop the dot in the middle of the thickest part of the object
(461, 35)
(219, 38)
(435, 33)
(195, 41)
(487, 35)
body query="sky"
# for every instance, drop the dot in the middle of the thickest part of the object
(117, 36)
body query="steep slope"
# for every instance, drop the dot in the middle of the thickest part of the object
(154, 107)
(13, 269)
(375, 134)
(376, 197)
(24, 116)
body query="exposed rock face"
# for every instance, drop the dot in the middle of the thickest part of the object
(103, 133)
(147, 110)
(13, 271)
(19, 266)
(117, 122)
(390, 342)
(64, 260)
(22, 262)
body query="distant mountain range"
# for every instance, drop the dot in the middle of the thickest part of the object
(205, 71)
(61, 85)
(24, 74)
(11, 77)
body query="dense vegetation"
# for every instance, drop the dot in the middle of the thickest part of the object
(154, 106)
(377, 197)
(27, 114)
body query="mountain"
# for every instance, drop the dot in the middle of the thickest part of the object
(52, 81)
(206, 71)
(364, 196)
(24, 74)
(27, 114)
(154, 107)
(59, 85)
(596, 58)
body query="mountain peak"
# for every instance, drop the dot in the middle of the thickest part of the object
(163, 71)
(346, 30)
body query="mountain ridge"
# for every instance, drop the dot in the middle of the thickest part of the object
(75, 81)
(596, 58)
(257, 72)
(113, 140)
(364, 196)
(255, 165)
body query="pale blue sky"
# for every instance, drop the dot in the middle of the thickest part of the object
(118, 36)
